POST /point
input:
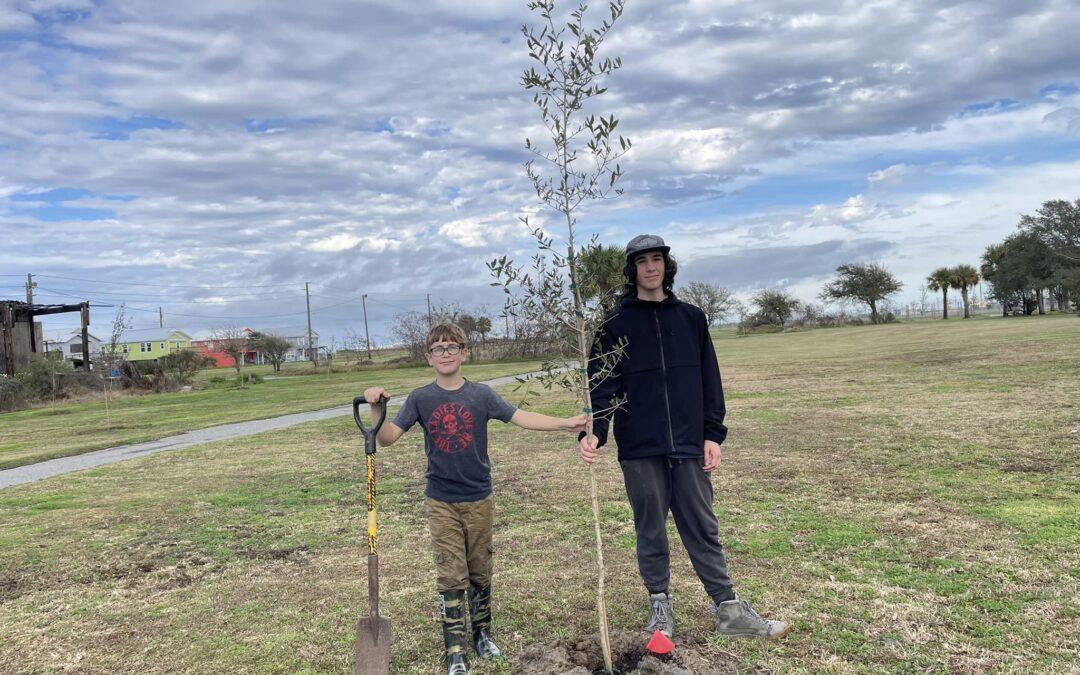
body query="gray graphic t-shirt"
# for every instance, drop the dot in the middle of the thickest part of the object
(455, 437)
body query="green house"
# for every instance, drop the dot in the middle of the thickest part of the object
(153, 345)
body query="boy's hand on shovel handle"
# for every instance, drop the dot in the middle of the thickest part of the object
(589, 450)
(373, 395)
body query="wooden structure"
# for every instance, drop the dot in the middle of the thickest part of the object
(20, 337)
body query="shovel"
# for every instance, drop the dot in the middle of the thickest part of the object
(372, 632)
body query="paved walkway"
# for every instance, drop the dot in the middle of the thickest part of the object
(89, 460)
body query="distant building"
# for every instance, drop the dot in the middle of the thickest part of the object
(153, 345)
(297, 336)
(71, 348)
(213, 348)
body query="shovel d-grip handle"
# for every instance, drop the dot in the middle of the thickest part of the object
(369, 434)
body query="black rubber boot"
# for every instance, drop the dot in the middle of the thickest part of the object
(480, 612)
(452, 606)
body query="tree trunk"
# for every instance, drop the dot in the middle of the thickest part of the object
(945, 303)
(873, 312)
(1039, 297)
(967, 306)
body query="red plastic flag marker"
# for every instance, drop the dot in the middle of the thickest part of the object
(660, 644)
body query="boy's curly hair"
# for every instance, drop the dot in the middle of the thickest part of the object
(445, 332)
(630, 277)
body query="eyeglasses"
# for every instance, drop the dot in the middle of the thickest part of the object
(452, 350)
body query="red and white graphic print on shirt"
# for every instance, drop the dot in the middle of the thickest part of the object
(451, 427)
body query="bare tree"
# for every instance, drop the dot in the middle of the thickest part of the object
(112, 356)
(356, 345)
(715, 301)
(410, 330)
(580, 165)
(234, 342)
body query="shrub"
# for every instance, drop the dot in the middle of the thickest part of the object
(80, 380)
(13, 394)
(182, 365)
(43, 377)
(133, 374)
(228, 381)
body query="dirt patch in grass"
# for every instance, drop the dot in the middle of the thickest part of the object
(628, 655)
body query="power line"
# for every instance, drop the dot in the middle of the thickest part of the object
(142, 283)
(163, 300)
(241, 316)
(393, 306)
(237, 316)
(167, 299)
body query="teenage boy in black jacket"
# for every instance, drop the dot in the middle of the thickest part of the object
(669, 432)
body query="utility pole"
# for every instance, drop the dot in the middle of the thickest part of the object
(84, 322)
(30, 285)
(160, 318)
(307, 293)
(429, 311)
(363, 299)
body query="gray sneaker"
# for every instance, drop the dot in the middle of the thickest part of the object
(662, 617)
(736, 618)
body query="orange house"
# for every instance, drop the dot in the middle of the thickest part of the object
(212, 349)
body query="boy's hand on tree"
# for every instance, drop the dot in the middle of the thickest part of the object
(712, 455)
(589, 450)
(576, 423)
(373, 395)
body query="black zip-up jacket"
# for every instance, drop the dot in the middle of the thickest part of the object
(669, 375)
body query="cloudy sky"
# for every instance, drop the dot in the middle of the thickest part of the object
(210, 158)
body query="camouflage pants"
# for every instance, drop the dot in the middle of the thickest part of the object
(461, 541)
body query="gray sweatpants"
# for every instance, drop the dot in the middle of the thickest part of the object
(656, 485)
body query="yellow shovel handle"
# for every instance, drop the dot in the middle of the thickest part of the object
(372, 529)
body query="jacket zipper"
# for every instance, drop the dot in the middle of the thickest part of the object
(663, 372)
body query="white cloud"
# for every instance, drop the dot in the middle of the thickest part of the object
(338, 242)
(479, 232)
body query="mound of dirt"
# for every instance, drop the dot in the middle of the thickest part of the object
(628, 655)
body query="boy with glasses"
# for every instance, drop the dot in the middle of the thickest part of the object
(454, 413)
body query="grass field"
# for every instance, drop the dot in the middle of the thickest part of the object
(905, 495)
(72, 428)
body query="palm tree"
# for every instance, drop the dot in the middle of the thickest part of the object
(601, 273)
(940, 280)
(963, 278)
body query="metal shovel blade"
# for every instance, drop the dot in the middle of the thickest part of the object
(373, 631)
(372, 647)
